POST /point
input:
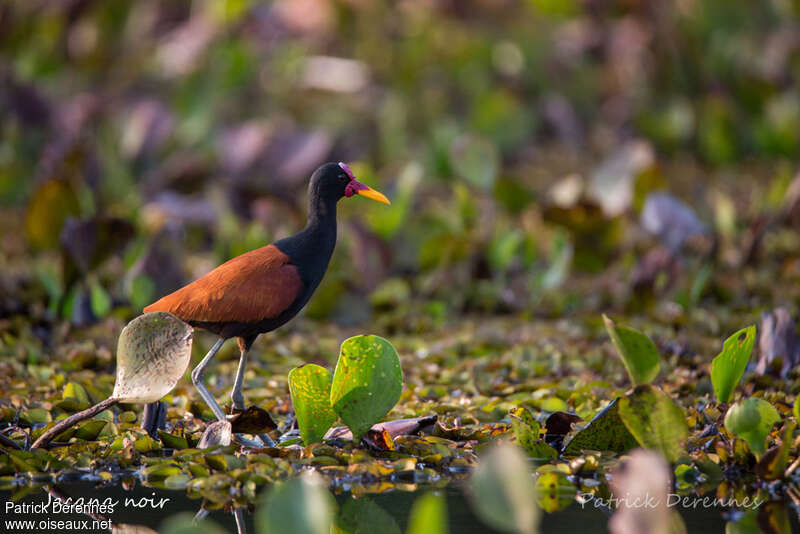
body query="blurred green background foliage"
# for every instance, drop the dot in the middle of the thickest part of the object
(145, 142)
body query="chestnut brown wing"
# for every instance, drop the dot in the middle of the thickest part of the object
(258, 285)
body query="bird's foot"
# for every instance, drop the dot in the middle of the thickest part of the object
(247, 442)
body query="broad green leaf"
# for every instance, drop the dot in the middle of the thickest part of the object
(752, 420)
(35, 416)
(729, 365)
(310, 388)
(526, 430)
(654, 419)
(301, 506)
(90, 430)
(367, 382)
(74, 398)
(605, 432)
(637, 351)
(428, 515)
(152, 354)
(796, 409)
(73, 390)
(364, 516)
(503, 492)
(172, 441)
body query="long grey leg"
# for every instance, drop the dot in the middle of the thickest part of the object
(197, 380)
(236, 395)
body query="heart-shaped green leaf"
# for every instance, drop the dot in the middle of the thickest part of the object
(367, 382)
(310, 388)
(301, 506)
(638, 352)
(152, 354)
(729, 365)
(751, 420)
(655, 421)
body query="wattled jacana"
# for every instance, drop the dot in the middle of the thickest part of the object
(261, 290)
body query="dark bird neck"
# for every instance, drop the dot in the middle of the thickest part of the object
(311, 248)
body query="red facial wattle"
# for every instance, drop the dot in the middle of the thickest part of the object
(354, 187)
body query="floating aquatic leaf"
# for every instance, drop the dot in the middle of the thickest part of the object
(655, 421)
(729, 365)
(153, 352)
(367, 382)
(502, 490)
(772, 464)
(637, 351)
(172, 441)
(300, 506)
(526, 430)
(90, 430)
(605, 432)
(554, 491)
(310, 388)
(751, 420)
(428, 515)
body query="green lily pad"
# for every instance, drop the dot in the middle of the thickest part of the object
(310, 388)
(301, 506)
(729, 365)
(655, 421)
(90, 430)
(605, 432)
(172, 441)
(637, 351)
(503, 492)
(76, 392)
(367, 382)
(752, 420)
(153, 352)
(36, 416)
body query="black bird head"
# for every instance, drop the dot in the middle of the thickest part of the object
(332, 181)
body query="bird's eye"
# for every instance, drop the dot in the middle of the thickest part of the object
(342, 178)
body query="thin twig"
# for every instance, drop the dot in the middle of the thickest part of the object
(74, 419)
